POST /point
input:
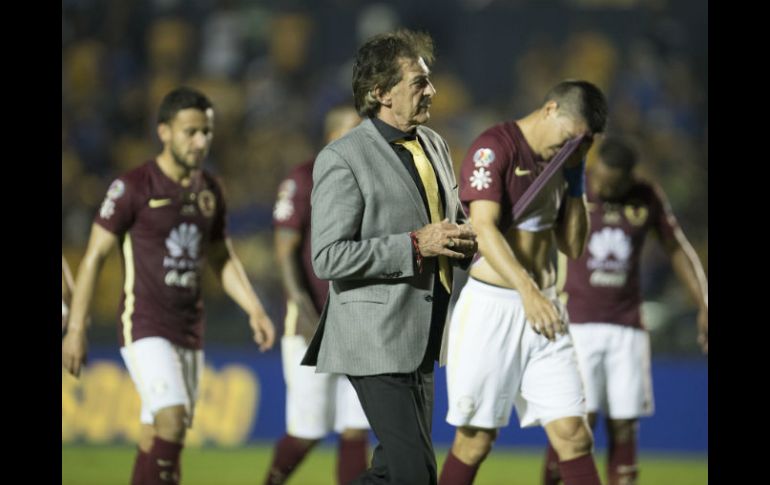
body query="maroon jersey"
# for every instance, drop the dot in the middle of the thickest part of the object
(500, 166)
(164, 231)
(292, 210)
(603, 285)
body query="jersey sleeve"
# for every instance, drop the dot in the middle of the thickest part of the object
(664, 222)
(219, 224)
(482, 173)
(292, 205)
(118, 210)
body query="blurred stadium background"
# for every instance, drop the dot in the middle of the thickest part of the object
(272, 68)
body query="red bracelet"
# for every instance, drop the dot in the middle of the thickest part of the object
(417, 255)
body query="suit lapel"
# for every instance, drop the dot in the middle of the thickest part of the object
(438, 167)
(385, 152)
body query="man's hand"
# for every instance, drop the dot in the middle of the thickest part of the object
(542, 314)
(264, 331)
(446, 239)
(74, 349)
(703, 330)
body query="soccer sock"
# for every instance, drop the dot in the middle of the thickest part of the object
(455, 472)
(351, 460)
(288, 453)
(621, 466)
(140, 467)
(551, 475)
(580, 471)
(162, 465)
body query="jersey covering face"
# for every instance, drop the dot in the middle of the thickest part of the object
(500, 166)
(603, 285)
(292, 211)
(164, 231)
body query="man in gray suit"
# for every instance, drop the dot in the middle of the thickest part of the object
(386, 226)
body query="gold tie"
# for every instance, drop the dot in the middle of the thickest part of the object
(428, 177)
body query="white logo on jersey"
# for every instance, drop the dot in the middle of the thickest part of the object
(481, 179)
(284, 208)
(185, 237)
(116, 190)
(610, 241)
(483, 157)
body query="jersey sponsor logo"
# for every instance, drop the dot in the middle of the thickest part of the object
(207, 203)
(115, 191)
(483, 157)
(520, 173)
(155, 203)
(636, 215)
(481, 179)
(610, 250)
(283, 210)
(183, 241)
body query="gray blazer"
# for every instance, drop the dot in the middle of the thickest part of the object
(364, 204)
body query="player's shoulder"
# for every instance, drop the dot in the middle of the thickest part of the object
(646, 190)
(134, 180)
(303, 171)
(496, 143)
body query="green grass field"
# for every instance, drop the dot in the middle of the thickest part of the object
(108, 465)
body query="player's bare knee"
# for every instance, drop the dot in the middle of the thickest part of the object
(570, 437)
(146, 436)
(354, 434)
(472, 445)
(171, 423)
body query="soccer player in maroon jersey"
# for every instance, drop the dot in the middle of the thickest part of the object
(316, 404)
(604, 300)
(66, 292)
(168, 218)
(508, 343)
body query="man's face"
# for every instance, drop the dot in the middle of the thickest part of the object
(609, 182)
(561, 128)
(410, 99)
(188, 136)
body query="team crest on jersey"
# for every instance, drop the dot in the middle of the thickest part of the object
(481, 179)
(483, 157)
(636, 215)
(207, 203)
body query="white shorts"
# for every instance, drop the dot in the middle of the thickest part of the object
(164, 375)
(615, 365)
(316, 404)
(495, 361)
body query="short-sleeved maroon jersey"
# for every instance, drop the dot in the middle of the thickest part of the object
(292, 210)
(164, 231)
(603, 285)
(500, 166)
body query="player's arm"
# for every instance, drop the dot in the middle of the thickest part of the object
(66, 282)
(230, 271)
(541, 313)
(572, 228)
(689, 270)
(288, 246)
(75, 344)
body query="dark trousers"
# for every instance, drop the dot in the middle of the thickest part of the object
(399, 408)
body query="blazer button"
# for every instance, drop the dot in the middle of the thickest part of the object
(428, 298)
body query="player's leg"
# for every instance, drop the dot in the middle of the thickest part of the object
(629, 389)
(351, 423)
(166, 377)
(483, 372)
(308, 411)
(590, 342)
(146, 435)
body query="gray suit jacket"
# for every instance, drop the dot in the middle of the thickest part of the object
(364, 204)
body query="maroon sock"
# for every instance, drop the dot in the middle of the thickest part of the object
(288, 453)
(456, 472)
(580, 471)
(140, 467)
(162, 465)
(621, 466)
(551, 475)
(351, 460)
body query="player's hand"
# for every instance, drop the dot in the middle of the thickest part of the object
(264, 330)
(74, 349)
(446, 239)
(308, 317)
(578, 155)
(703, 330)
(542, 315)
(471, 250)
